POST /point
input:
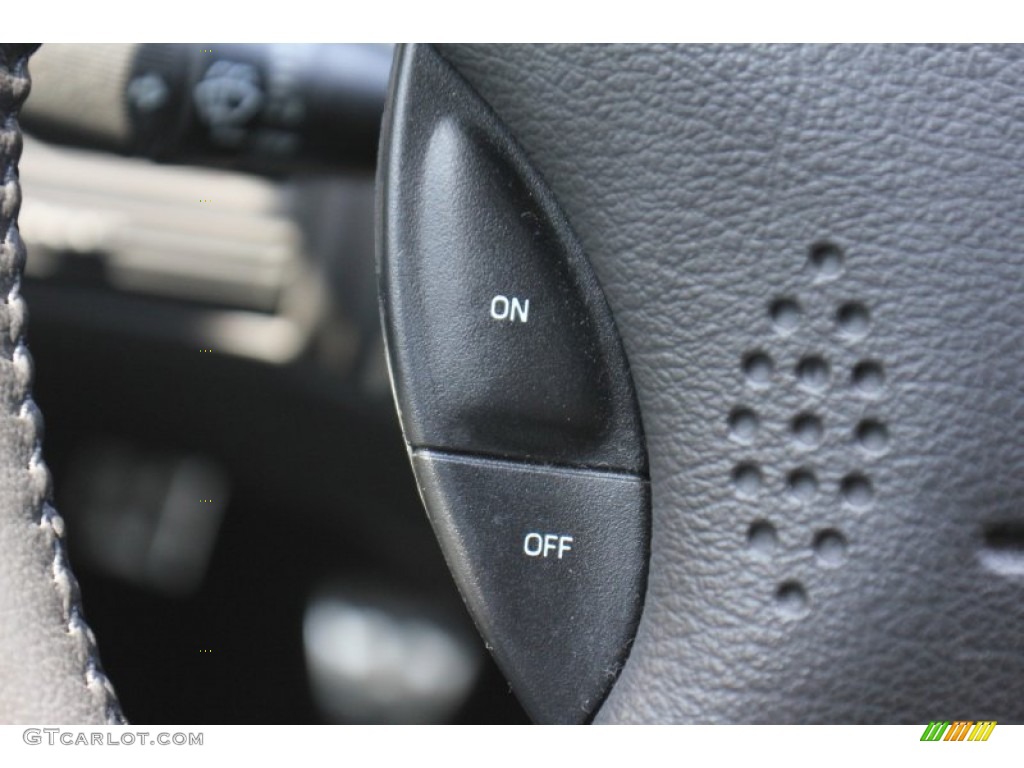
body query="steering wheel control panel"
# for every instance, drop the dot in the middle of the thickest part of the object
(514, 394)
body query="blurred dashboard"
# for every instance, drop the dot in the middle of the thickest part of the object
(241, 514)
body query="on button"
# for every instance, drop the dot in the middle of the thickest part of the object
(500, 338)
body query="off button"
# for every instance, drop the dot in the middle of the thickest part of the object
(551, 563)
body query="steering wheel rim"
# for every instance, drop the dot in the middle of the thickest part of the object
(49, 665)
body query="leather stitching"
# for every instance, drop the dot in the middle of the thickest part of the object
(14, 87)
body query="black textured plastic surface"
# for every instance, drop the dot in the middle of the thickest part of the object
(500, 340)
(814, 257)
(501, 344)
(551, 564)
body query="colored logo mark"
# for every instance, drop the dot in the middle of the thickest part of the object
(958, 730)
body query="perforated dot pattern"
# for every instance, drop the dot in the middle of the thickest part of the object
(809, 358)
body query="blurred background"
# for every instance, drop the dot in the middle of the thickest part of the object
(241, 514)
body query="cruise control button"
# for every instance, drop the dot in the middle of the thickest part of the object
(513, 391)
(551, 564)
(499, 336)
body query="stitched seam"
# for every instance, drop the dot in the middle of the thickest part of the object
(13, 90)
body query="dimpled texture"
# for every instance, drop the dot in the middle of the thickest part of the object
(49, 667)
(709, 184)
